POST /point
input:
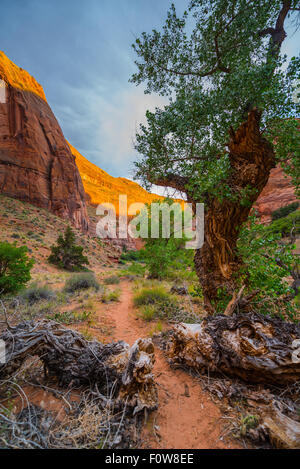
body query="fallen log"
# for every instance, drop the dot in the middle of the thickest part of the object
(284, 432)
(253, 347)
(116, 370)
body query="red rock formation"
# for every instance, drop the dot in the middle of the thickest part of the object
(278, 193)
(36, 164)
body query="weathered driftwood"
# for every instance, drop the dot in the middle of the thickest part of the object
(116, 370)
(253, 347)
(284, 432)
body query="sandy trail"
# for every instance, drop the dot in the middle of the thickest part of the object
(186, 417)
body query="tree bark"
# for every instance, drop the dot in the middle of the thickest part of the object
(251, 158)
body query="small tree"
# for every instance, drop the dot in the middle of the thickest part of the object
(15, 266)
(66, 254)
(161, 251)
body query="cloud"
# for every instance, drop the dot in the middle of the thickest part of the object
(120, 120)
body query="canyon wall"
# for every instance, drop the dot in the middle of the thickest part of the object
(278, 193)
(36, 164)
(103, 188)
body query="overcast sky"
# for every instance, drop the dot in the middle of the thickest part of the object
(80, 52)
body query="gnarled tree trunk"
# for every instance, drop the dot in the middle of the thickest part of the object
(251, 158)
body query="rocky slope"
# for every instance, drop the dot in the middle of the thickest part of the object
(36, 164)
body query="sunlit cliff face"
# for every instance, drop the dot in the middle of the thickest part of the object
(19, 78)
(99, 185)
(103, 188)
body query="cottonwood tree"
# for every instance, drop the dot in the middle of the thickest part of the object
(229, 121)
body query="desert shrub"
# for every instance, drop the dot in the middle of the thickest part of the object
(15, 267)
(66, 254)
(284, 226)
(36, 293)
(131, 256)
(71, 317)
(81, 281)
(108, 297)
(284, 211)
(133, 270)
(156, 303)
(148, 312)
(148, 296)
(112, 280)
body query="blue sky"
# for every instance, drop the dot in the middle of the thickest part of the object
(80, 51)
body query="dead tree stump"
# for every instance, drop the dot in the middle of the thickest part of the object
(116, 370)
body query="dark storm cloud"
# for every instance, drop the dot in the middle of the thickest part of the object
(80, 52)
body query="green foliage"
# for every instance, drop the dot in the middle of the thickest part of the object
(81, 281)
(160, 252)
(215, 63)
(284, 226)
(71, 317)
(284, 211)
(15, 267)
(66, 254)
(112, 280)
(36, 293)
(150, 296)
(156, 303)
(268, 263)
(132, 256)
(111, 296)
(247, 423)
(149, 312)
(133, 270)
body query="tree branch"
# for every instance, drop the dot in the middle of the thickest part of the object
(278, 33)
(170, 180)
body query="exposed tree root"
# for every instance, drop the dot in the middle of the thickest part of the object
(116, 370)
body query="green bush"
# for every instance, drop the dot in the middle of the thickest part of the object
(283, 226)
(133, 270)
(66, 254)
(267, 265)
(148, 312)
(70, 317)
(149, 296)
(15, 267)
(131, 256)
(81, 281)
(34, 294)
(112, 280)
(156, 303)
(284, 211)
(111, 296)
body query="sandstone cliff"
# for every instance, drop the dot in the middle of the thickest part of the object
(278, 193)
(102, 188)
(36, 164)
